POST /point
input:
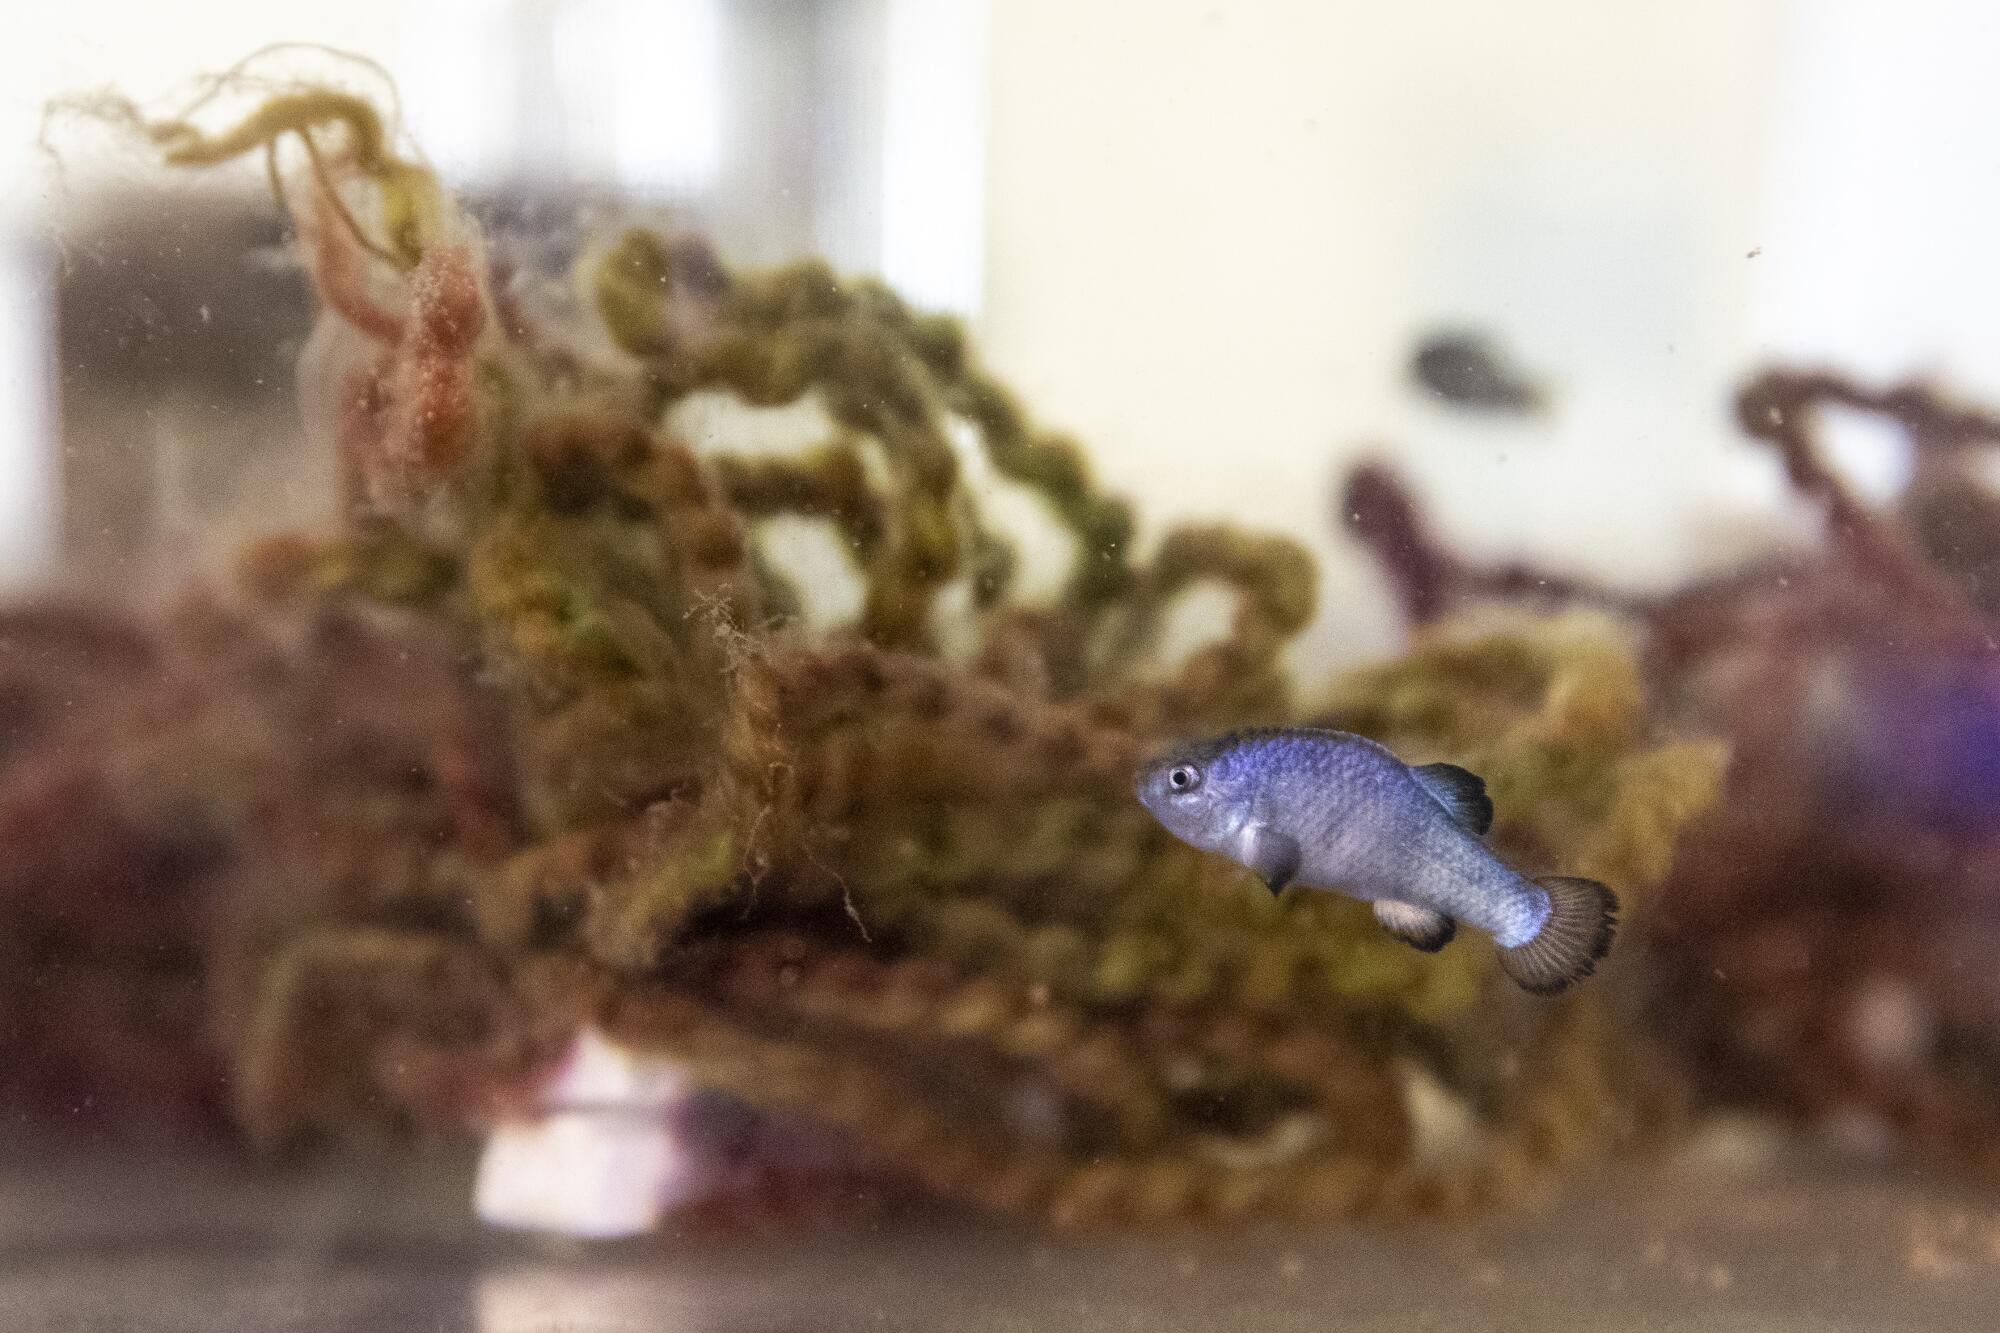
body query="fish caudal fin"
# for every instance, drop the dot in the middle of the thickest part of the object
(1583, 915)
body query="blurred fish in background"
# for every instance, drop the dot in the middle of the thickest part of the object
(1471, 371)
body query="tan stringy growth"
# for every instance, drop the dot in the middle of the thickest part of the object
(843, 875)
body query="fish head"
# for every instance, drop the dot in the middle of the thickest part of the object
(1193, 793)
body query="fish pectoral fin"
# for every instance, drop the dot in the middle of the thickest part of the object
(1461, 792)
(1273, 855)
(1418, 927)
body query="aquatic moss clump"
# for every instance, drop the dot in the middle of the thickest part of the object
(888, 875)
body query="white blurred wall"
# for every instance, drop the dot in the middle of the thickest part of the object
(1206, 232)
(1884, 193)
(1217, 228)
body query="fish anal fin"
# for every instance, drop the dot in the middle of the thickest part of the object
(1583, 916)
(1273, 855)
(1461, 792)
(1418, 927)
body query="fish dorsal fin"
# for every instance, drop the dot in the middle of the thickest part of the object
(1461, 793)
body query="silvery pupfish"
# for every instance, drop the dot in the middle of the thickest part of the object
(1333, 811)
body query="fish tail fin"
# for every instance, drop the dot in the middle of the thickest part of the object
(1583, 915)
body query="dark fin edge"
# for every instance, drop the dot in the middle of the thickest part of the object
(1273, 855)
(1583, 917)
(1419, 927)
(1461, 792)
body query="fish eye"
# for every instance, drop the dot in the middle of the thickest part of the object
(1184, 777)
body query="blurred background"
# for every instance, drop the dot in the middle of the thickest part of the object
(1209, 238)
(1527, 252)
